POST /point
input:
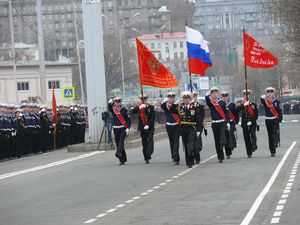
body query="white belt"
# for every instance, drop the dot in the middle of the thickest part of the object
(270, 118)
(172, 124)
(218, 121)
(118, 127)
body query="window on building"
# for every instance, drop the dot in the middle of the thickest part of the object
(181, 44)
(158, 45)
(174, 44)
(227, 21)
(159, 56)
(54, 84)
(175, 55)
(152, 45)
(181, 55)
(23, 86)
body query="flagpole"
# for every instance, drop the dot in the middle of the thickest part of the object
(140, 71)
(190, 74)
(246, 77)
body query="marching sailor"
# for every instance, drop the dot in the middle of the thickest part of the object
(146, 124)
(249, 125)
(172, 126)
(190, 125)
(121, 126)
(220, 120)
(273, 115)
(234, 119)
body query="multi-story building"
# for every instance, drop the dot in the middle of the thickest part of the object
(59, 26)
(166, 46)
(233, 15)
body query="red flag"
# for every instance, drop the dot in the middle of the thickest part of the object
(54, 112)
(256, 55)
(152, 72)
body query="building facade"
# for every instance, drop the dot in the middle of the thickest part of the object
(166, 46)
(59, 21)
(233, 15)
(27, 81)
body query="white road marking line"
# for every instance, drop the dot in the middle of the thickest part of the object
(143, 194)
(111, 210)
(282, 201)
(90, 221)
(288, 188)
(264, 192)
(174, 177)
(293, 173)
(275, 220)
(136, 198)
(277, 213)
(291, 180)
(295, 121)
(284, 196)
(279, 207)
(208, 159)
(49, 165)
(289, 184)
(286, 191)
(120, 206)
(292, 176)
(294, 170)
(101, 215)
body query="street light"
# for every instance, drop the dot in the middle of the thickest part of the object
(121, 49)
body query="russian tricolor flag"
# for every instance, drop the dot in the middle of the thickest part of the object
(198, 53)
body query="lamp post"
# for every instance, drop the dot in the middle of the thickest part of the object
(121, 51)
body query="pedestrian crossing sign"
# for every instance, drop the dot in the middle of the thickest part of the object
(68, 93)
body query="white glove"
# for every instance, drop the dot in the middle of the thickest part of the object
(249, 123)
(228, 126)
(198, 134)
(146, 127)
(54, 125)
(177, 102)
(263, 96)
(20, 114)
(110, 101)
(246, 103)
(49, 132)
(142, 106)
(165, 100)
(127, 131)
(236, 126)
(207, 93)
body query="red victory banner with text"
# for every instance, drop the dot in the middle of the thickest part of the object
(152, 72)
(256, 55)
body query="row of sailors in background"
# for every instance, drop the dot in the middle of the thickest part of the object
(29, 128)
(185, 118)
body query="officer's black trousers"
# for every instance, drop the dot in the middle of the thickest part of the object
(219, 130)
(231, 141)
(273, 133)
(188, 134)
(198, 147)
(249, 133)
(173, 134)
(120, 136)
(147, 142)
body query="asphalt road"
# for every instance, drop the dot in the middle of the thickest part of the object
(61, 188)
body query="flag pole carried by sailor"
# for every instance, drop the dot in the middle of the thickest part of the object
(155, 74)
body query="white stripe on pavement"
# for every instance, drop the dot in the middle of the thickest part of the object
(61, 162)
(264, 192)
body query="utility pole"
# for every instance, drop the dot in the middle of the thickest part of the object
(12, 38)
(40, 34)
